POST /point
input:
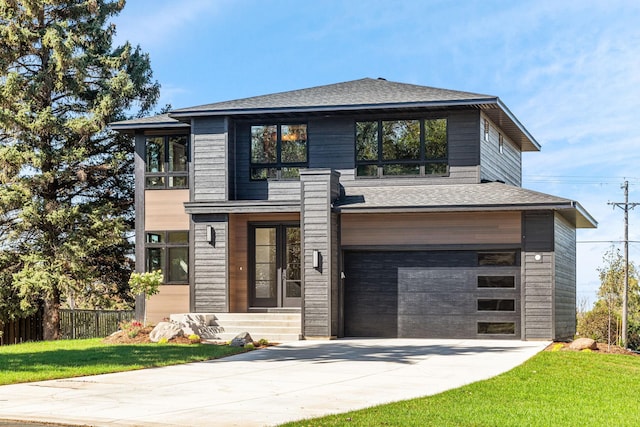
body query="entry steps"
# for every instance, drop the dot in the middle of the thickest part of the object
(274, 327)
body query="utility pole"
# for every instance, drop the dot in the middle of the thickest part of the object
(625, 294)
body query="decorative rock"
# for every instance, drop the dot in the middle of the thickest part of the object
(583, 343)
(166, 330)
(198, 324)
(241, 340)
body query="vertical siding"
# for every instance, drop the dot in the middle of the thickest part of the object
(565, 279)
(210, 274)
(210, 161)
(496, 166)
(538, 276)
(317, 223)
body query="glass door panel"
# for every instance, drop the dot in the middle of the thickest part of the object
(265, 271)
(276, 279)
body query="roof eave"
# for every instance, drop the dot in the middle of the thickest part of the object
(133, 127)
(520, 126)
(178, 115)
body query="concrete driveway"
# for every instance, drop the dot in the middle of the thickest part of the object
(270, 386)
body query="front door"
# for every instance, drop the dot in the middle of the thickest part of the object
(275, 260)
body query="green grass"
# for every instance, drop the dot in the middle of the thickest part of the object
(552, 388)
(72, 358)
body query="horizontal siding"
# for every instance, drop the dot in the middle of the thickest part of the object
(496, 166)
(164, 210)
(210, 265)
(170, 299)
(565, 279)
(209, 139)
(431, 229)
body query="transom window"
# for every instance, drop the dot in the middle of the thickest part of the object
(166, 161)
(278, 151)
(168, 251)
(401, 147)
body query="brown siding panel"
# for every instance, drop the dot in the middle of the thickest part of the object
(431, 229)
(164, 210)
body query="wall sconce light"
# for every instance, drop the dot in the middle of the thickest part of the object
(317, 259)
(211, 235)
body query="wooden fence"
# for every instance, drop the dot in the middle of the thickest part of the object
(22, 330)
(73, 324)
(91, 323)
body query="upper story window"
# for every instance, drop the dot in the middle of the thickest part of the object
(486, 130)
(278, 151)
(166, 161)
(401, 147)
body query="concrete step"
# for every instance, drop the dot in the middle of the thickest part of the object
(274, 327)
(271, 337)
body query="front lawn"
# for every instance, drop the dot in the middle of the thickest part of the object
(72, 358)
(551, 389)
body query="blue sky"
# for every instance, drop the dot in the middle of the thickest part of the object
(568, 69)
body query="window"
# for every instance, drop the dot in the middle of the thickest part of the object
(401, 148)
(278, 151)
(505, 282)
(496, 305)
(486, 130)
(166, 162)
(497, 328)
(500, 259)
(500, 143)
(168, 251)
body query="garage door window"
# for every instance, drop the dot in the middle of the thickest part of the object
(496, 304)
(498, 259)
(503, 282)
(496, 328)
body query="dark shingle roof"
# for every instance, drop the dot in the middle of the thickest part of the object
(458, 197)
(153, 122)
(370, 95)
(357, 93)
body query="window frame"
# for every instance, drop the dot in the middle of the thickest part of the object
(422, 163)
(279, 164)
(165, 245)
(167, 175)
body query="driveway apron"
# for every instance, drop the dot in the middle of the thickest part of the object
(291, 381)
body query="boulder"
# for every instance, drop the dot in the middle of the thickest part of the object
(166, 330)
(241, 340)
(198, 324)
(583, 343)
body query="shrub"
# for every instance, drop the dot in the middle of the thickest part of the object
(163, 340)
(194, 338)
(131, 328)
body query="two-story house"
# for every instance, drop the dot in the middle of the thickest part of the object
(367, 208)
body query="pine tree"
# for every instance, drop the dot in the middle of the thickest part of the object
(65, 180)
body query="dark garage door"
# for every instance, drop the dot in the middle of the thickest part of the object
(430, 294)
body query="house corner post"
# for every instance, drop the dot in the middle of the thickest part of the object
(319, 188)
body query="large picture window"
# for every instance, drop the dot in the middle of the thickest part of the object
(166, 162)
(401, 148)
(168, 251)
(278, 151)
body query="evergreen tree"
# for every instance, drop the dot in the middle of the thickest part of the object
(65, 180)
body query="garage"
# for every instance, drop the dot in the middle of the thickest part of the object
(432, 294)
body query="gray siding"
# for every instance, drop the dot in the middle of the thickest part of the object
(538, 276)
(209, 264)
(209, 159)
(565, 279)
(496, 166)
(319, 306)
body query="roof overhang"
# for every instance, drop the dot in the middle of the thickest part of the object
(242, 207)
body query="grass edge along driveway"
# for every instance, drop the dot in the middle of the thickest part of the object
(552, 388)
(50, 360)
